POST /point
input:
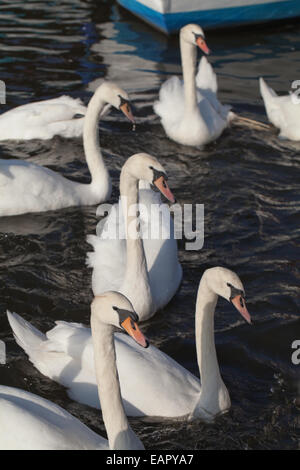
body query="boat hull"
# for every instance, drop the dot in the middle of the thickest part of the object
(170, 15)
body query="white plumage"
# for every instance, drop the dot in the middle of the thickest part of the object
(151, 383)
(282, 111)
(44, 119)
(27, 187)
(190, 111)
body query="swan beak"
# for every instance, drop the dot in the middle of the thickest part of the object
(163, 187)
(203, 46)
(125, 108)
(133, 330)
(240, 305)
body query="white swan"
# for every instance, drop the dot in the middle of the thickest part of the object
(190, 111)
(152, 383)
(43, 119)
(28, 421)
(282, 111)
(26, 187)
(144, 268)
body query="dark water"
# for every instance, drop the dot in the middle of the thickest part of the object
(248, 181)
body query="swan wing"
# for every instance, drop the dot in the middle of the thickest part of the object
(170, 105)
(206, 82)
(43, 119)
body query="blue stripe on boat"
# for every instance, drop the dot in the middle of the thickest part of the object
(172, 22)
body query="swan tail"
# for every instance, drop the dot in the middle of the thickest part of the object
(266, 92)
(49, 352)
(27, 336)
(206, 78)
(272, 104)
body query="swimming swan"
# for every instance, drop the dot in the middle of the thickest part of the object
(190, 111)
(28, 421)
(282, 111)
(27, 187)
(144, 268)
(152, 383)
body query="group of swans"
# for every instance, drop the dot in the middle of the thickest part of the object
(190, 111)
(133, 273)
(96, 370)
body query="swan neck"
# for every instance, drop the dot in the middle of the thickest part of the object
(136, 280)
(205, 339)
(188, 60)
(113, 412)
(91, 142)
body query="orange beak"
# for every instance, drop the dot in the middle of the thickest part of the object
(133, 330)
(163, 187)
(203, 46)
(125, 108)
(240, 305)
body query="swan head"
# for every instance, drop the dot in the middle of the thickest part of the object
(116, 97)
(194, 34)
(143, 166)
(114, 309)
(228, 285)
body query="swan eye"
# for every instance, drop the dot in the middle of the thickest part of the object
(125, 314)
(234, 292)
(157, 174)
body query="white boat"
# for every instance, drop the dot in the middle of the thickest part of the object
(170, 15)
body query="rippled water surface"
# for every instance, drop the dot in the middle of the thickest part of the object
(248, 181)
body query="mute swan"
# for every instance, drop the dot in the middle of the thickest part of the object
(282, 112)
(26, 187)
(43, 119)
(190, 111)
(144, 268)
(28, 421)
(158, 386)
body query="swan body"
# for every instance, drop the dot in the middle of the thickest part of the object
(28, 421)
(190, 111)
(145, 269)
(158, 385)
(282, 112)
(43, 119)
(27, 187)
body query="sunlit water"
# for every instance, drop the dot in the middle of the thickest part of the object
(248, 181)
